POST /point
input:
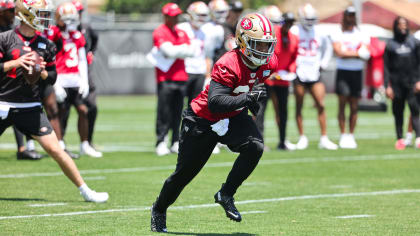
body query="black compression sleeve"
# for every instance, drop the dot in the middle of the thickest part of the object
(52, 75)
(1, 68)
(221, 101)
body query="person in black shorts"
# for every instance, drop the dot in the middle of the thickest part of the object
(401, 63)
(20, 102)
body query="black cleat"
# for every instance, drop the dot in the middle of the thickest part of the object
(29, 155)
(158, 221)
(72, 155)
(228, 204)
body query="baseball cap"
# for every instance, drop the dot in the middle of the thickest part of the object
(78, 5)
(171, 9)
(236, 5)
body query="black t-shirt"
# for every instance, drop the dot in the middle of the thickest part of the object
(13, 87)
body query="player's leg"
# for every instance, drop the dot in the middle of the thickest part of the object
(282, 97)
(409, 134)
(90, 102)
(398, 106)
(414, 111)
(177, 104)
(354, 81)
(24, 153)
(318, 94)
(162, 118)
(342, 90)
(196, 145)
(299, 91)
(244, 137)
(34, 122)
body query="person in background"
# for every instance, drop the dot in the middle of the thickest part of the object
(278, 83)
(20, 102)
(196, 66)
(401, 63)
(91, 38)
(314, 54)
(72, 84)
(173, 43)
(350, 46)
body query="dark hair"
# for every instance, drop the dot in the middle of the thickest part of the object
(345, 23)
(396, 22)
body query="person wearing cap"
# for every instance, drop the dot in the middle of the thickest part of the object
(350, 46)
(173, 43)
(278, 84)
(229, 28)
(314, 54)
(402, 83)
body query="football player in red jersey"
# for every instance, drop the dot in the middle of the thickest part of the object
(220, 114)
(72, 78)
(20, 102)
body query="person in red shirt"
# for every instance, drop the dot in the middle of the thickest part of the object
(220, 114)
(173, 43)
(278, 84)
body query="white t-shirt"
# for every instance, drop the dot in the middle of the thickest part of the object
(197, 63)
(315, 52)
(350, 41)
(417, 35)
(215, 37)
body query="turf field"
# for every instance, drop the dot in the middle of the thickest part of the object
(373, 190)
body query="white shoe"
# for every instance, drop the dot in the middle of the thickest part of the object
(417, 143)
(302, 143)
(92, 196)
(216, 150)
(162, 149)
(86, 149)
(175, 147)
(325, 143)
(290, 146)
(408, 141)
(347, 141)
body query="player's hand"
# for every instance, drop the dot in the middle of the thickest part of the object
(274, 76)
(25, 61)
(417, 87)
(257, 93)
(89, 57)
(60, 93)
(84, 90)
(389, 92)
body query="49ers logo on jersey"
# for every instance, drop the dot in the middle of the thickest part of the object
(246, 24)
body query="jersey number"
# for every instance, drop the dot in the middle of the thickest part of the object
(73, 58)
(12, 73)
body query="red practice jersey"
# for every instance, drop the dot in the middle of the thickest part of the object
(286, 56)
(176, 36)
(230, 71)
(67, 59)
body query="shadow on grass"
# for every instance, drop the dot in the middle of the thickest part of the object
(212, 234)
(22, 199)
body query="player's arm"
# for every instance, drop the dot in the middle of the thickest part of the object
(221, 100)
(327, 52)
(343, 53)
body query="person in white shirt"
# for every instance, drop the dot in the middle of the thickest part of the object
(196, 66)
(350, 46)
(314, 54)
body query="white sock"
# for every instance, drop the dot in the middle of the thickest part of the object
(84, 188)
(30, 145)
(324, 137)
(85, 144)
(351, 136)
(62, 144)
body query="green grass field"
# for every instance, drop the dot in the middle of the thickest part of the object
(373, 190)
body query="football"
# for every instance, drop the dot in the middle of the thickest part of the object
(34, 73)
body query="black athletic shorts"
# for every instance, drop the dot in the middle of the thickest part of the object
(46, 91)
(73, 97)
(305, 84)
(30, 121)
(348, 83)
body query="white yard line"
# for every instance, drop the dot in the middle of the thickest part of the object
(227, 164)
(252, 212)
(95, 178)
(291, 198)
(48, 204)
(354, 216)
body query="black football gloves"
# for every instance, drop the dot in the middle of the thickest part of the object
(257, 93)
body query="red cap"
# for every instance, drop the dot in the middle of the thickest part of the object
(78, 5)
(171, 9)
